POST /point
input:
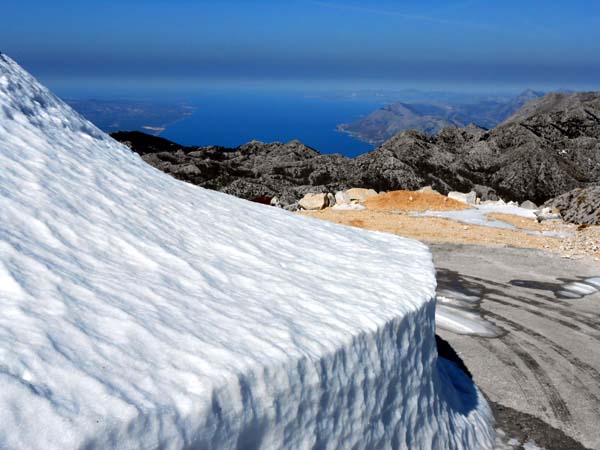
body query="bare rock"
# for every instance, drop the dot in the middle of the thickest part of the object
(469, 198)
(527, 204)
(547, 213)
(360, 195)
(314, 202)
(341, 198)
(580, 206)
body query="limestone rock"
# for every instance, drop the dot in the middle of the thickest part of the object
(547, 213)
(580, 206)
(314, 202)
(360, 195)
(469, 198)
(527, 204)
(341, 198)
(428, 190)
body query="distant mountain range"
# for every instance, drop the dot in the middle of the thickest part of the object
(550, 146)
(432, 117)
(126, 114)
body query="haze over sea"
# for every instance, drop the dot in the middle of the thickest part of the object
(233, 114)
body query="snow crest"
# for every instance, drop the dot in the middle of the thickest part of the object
(140, 312)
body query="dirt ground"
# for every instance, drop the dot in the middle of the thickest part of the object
(414, 202)
(581, 242)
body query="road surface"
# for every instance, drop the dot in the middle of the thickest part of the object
(546, 362)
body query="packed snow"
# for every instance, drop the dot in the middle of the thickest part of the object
(140, 312)
(458, 311)
(478, 215)
(579, 289)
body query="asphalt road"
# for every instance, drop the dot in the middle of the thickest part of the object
(543, 372)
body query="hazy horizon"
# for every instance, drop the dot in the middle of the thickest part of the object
(429, 45)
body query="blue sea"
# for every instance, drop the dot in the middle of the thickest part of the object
(233, 116)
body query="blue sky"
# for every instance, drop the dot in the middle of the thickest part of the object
(524, 42)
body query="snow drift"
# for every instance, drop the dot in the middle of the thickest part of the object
(140, 312)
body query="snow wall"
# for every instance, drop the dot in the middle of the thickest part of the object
(140, 312)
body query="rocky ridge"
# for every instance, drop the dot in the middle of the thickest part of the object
(581, 205)
(549, 147)
(431, 118)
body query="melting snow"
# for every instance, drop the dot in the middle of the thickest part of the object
(579, 289)
(477, 215)
(458, 311)
(140, 312)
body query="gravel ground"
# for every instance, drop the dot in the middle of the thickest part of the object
(579, 242)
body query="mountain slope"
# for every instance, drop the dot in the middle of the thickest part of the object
(383, 124)
(549, 147)
(141, 312)
(390, 120)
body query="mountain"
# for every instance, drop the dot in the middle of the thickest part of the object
(550, 146)
(119, 114)
(388, 121)
(431, 118)
(140, 312)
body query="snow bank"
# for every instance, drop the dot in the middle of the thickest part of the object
(140, 312)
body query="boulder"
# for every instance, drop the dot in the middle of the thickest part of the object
(527, 204)
(485, 193)
(314, 202)
(428, 190)
(360, 195)
(291, 207)
(547, 213)
(341, 198)
(469, 198)
(330, 199)
(580, 206)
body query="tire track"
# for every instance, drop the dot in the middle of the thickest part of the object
(557, 404)
(563, 352)
(570, 314)
(547, 303)
(518, 375)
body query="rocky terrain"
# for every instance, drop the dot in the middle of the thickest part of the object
(431, 118)
(549, 147)
(581, 205)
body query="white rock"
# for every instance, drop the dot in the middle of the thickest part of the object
(428, 189)
(341, 198)
(547, 214)
(469, 198)
(314, 202)
(360, 195)
(527, 204)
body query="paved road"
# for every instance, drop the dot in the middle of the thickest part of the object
(547, 361)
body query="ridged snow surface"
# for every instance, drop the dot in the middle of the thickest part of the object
(140, 312)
